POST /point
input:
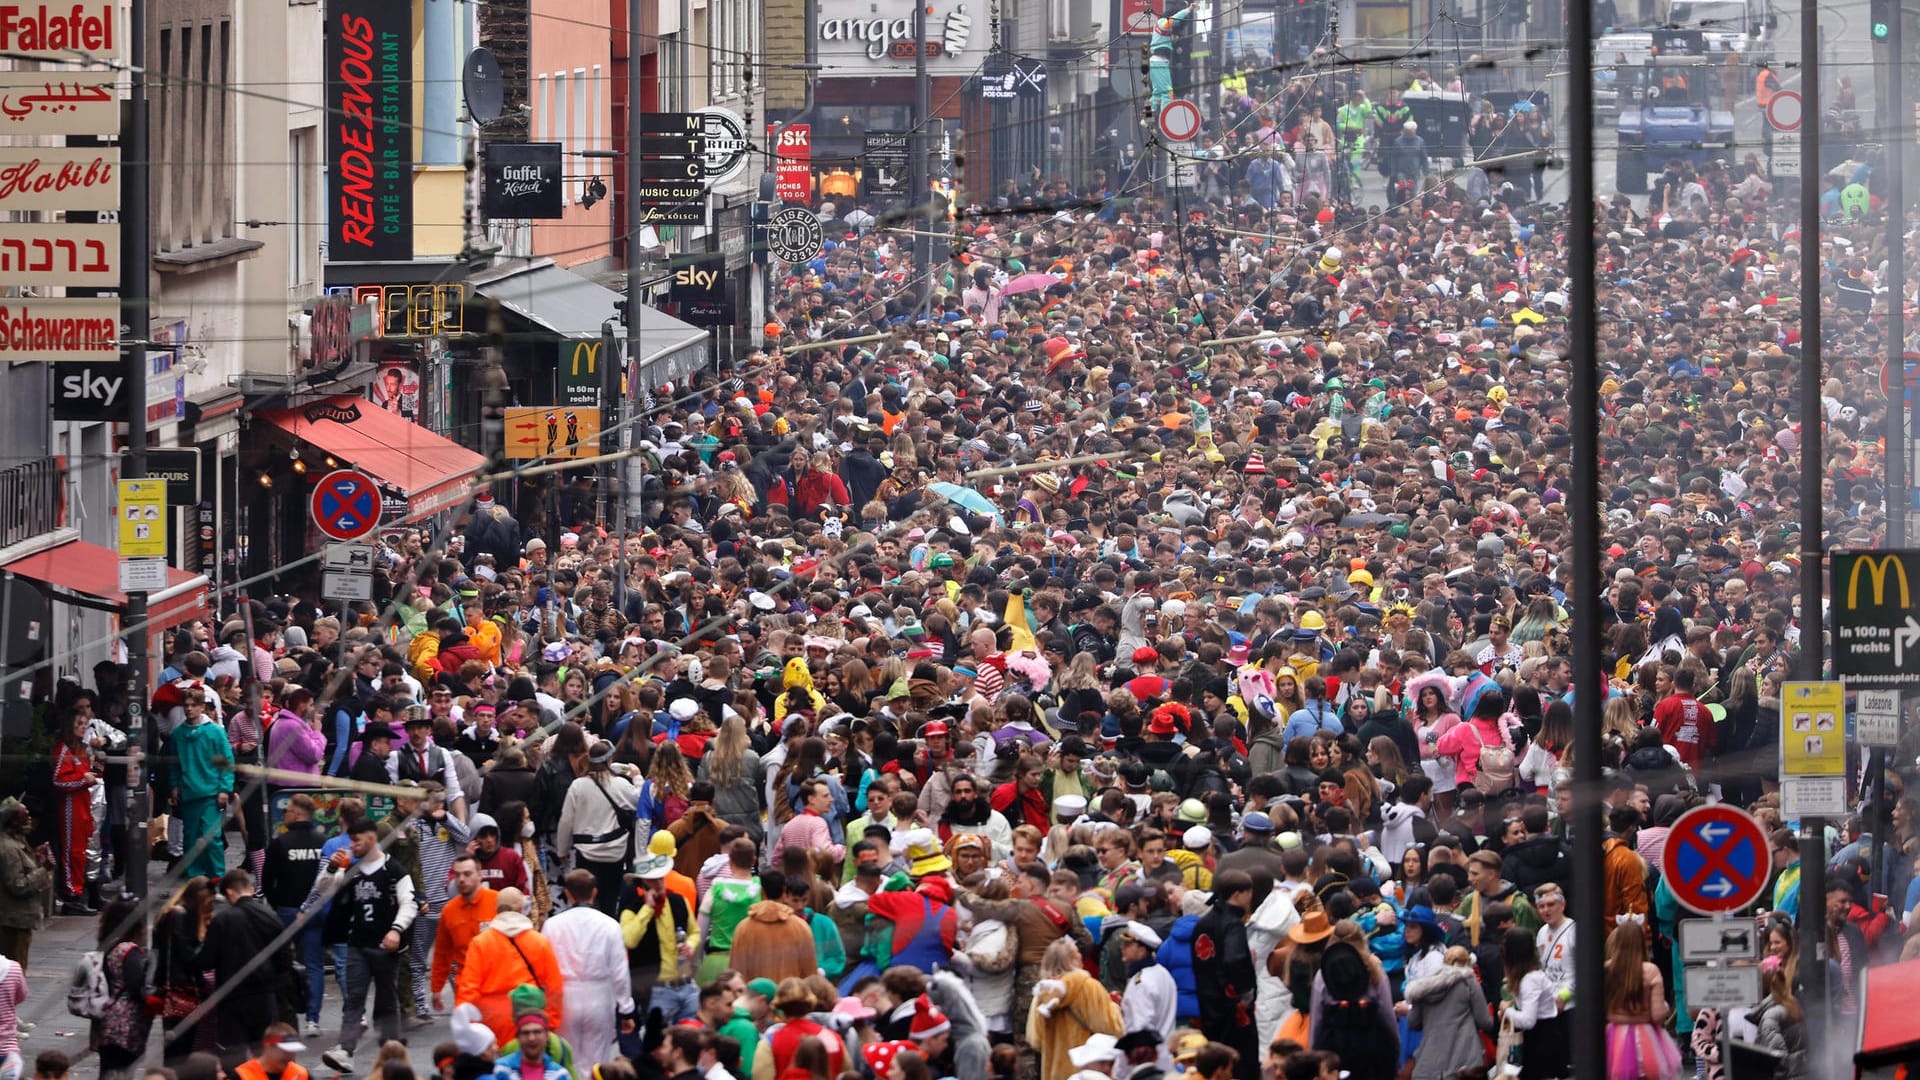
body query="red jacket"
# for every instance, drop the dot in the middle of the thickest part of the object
(818, 489)
(1031, 811)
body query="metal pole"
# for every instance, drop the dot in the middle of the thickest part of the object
(632, 360)
(684, 46)
(1590, 689)
(920, 145)
(134, 304)
(1898, 482)
(1813, 830)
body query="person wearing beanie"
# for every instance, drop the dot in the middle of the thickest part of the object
(528, 1000)
(533, 1041)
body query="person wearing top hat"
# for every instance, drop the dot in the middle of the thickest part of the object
(1150, 1001)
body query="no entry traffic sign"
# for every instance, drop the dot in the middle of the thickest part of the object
(1716, 859)
(1179, 120)
(1783, 112)
(346, 505)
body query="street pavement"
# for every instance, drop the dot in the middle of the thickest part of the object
(58, 947)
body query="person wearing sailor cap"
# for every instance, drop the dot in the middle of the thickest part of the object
(1150, 1001)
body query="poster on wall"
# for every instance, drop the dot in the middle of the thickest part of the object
(369, 70)
(396, 388)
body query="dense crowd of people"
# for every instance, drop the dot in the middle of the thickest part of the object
(1162, 671)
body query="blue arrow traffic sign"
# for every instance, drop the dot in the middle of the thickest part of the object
(1716, 859)
(346, 505)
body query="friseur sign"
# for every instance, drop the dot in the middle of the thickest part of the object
(369, 131)
(1876, 627)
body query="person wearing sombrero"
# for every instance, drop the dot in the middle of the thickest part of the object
(1298, 961)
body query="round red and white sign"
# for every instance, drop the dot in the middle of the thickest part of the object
(1783, 112)
(1179, 120)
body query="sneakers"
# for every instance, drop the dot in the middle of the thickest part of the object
(78, 908)
(419, 1020)
(339, 1059)
(310, 1029)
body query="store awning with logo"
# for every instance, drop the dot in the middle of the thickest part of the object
(88, 575)
(572, 306)
(430, 471)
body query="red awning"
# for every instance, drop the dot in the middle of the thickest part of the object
(429, 470)
(1889, 1031)
(94, 571)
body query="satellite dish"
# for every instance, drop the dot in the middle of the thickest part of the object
(480, 81)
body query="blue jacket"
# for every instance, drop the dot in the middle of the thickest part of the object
(508, 1068)
(1176, 955)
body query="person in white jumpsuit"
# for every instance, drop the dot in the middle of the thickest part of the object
(1266, 930)
(586, 943)
(1151, 1001)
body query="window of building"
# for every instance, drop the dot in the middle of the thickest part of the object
(192, 134)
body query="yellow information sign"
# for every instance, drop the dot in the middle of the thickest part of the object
(143, 519)
(1813, 729)
(557, 432)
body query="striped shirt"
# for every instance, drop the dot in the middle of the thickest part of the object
(13, 991)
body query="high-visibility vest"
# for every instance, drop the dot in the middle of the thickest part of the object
(1765, 85)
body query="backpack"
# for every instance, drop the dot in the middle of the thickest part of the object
(1350, 1023)
(88, 995)
(1495, 773)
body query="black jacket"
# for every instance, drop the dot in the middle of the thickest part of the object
(1535, 861)
(293, 861)
(1223, 969)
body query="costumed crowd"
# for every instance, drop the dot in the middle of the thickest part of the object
(1160, 671)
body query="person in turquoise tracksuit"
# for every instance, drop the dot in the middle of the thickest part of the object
(1160, 56)
(203, 782)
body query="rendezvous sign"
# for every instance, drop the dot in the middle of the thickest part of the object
(1876, 625)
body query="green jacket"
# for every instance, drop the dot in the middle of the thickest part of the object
(744, 1032)
(23, 884)
(203, 760)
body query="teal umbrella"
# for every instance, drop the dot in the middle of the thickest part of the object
(966, 498)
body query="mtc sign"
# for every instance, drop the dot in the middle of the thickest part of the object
(1876, 627)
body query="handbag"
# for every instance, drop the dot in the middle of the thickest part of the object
(178, 1002)
(1507, 1051)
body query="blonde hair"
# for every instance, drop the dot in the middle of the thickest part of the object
(1458, 956)
(1061, 957)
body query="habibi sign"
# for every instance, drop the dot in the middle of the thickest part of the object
(369, 71)
(522, 180)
